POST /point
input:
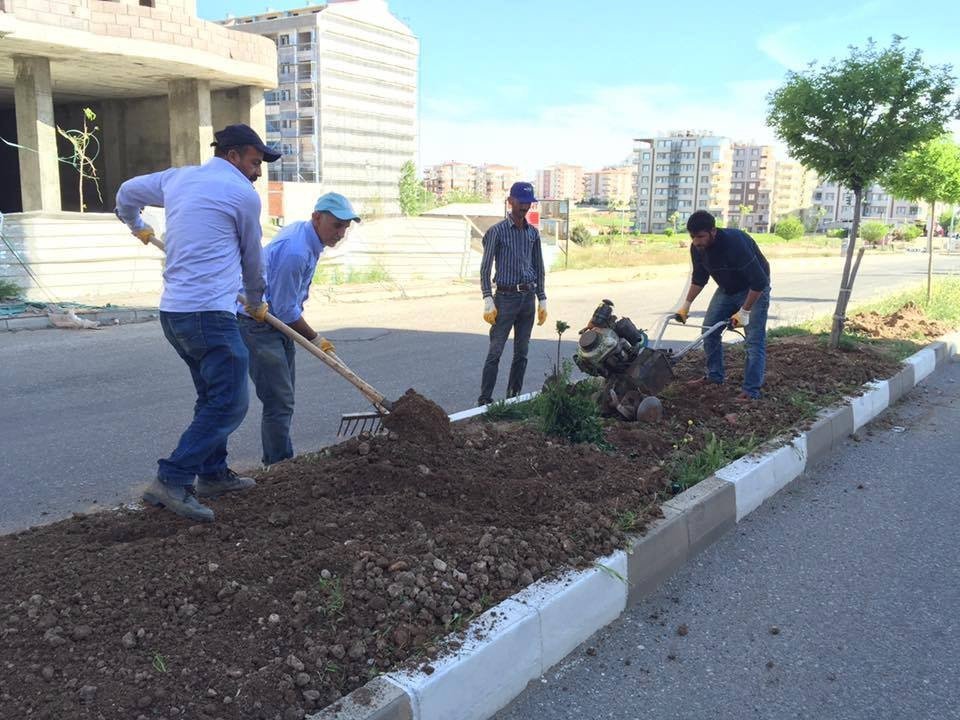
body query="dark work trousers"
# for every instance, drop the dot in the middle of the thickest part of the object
(515, 311)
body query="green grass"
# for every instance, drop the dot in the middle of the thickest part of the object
(500, 411)
(333, 596)
(687, 469)
(336, 275)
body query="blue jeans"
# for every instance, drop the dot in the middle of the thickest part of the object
(722, 307)
(273, 373)
(209, 343)
(515, 311)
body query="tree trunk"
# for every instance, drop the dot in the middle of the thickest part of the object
(933, 216)
(846, 282)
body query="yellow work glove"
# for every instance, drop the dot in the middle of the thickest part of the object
(324, 344)
(257, 312)
(542, 312)
(144, 234)
(489, 310)
(683, 313)
(741, 318)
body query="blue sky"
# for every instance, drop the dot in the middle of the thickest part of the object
(532, 82)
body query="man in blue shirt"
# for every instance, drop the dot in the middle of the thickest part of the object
(212, 240)
(742, 273)
(291, 260)
(513, 245)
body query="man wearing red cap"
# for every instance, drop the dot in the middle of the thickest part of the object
(513, 245)
(212, 239)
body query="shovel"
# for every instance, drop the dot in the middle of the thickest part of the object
(350, 423)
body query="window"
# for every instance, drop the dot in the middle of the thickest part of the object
(644, 180)
(901, 210)
(646, 168)
(284, 40)
(738, 163)
(147, 3)
(273, 126)
(818, 196)
(646, 156)
(306, 126)
(305, 97)
(706, 154)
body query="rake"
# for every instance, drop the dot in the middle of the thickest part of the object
(350, 423)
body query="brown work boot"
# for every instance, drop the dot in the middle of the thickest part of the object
(745, 399)
(210, 486)
(181, 499)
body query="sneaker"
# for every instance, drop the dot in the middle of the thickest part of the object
(209, 486)
(181, 499)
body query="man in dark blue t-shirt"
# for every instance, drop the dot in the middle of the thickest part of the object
(742, 273)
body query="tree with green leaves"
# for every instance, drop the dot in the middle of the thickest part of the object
(852, 118)
(931, 172)
(744, 211)
(414, 197)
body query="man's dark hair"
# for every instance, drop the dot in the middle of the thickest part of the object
(700, 221)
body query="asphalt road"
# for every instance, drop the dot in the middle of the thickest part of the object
(836, 599)
(86, 414)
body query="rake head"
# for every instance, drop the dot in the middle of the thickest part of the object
(356, 423)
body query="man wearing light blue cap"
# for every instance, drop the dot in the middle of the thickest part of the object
(290, 260)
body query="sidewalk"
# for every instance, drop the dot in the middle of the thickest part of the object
(837, 599)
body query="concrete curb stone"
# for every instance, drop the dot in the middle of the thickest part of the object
(537, 627)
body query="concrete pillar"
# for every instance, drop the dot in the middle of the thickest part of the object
(36, 129)
(113, 120)
(191, 131)
(252, 111)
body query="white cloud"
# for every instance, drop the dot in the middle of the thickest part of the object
(596, 131)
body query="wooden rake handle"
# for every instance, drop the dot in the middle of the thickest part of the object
(376, 398)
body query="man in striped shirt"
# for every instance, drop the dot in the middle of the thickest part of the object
(513, 245)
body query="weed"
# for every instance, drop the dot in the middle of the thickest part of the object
(566, 411)
(333, 591)
(689, 469)
(627, 520)
(806, 402)
(610, 571)
(514, 411)
(159, 662)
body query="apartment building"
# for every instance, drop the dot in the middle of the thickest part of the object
(680, 173)
(833, 203)
(494, 181)
(793, 186)
(751, 187)
(610, 185)
(345, 111)
(445, 177)
(560, 182)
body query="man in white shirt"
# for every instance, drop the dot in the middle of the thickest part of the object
(212, 238)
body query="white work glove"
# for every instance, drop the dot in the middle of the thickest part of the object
(489, 310)
(741, 318)
(542, 312)
(683, 313)
(324, 344)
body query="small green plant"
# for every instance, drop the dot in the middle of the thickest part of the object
(581, 236)
(566, 411)
(627, 520)
(159, 663)
(837, 233)
(502, 411)
(873, 231)
(562, 327)
(668, 231)
(332, 590)
(805, 402)
(688, 469)
(9, 289)
(83, 154)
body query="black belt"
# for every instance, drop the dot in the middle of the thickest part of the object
(520, 288)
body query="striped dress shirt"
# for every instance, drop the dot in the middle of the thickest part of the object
(517, 254)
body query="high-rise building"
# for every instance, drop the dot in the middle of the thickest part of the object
(833, 205)
(345, 111)
(612, 184)
(793, 186)
(751, 187)
(560, 182)
(681, 173)
(494, 181)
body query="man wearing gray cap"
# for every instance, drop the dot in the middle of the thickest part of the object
(290, 260)
(212, 239)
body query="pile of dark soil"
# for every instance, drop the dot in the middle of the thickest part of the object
(418, 419)
(908, 323)
(342, 564)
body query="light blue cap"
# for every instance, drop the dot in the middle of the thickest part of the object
(337, 205)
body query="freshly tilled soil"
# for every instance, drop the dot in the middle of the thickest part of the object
(344, 563)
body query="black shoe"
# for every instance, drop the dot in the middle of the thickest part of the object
(209, 486)
(181, 499)
(484, 401)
